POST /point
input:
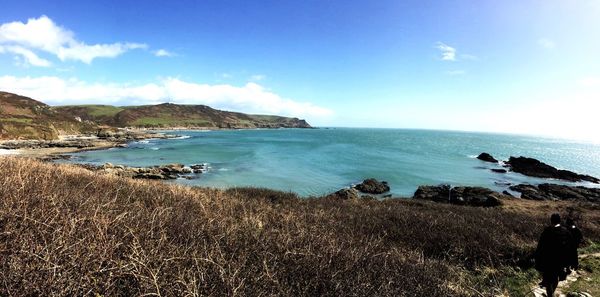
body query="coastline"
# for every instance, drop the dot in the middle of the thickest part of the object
(514, 184)
(97, 143)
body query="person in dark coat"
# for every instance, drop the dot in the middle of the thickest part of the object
(577, 240)
(552, 254)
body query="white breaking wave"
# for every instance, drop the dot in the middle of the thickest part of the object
(4, 152)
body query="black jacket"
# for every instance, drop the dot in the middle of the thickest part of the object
(554, 250)
(577, 239)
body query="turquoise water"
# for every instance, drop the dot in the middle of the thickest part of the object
(319, 161)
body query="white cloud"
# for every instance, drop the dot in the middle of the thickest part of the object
(546, 43)
(30, 57)
(257, 77)
(163, 53)
(448, 52)
(44, 35)
(250, 98)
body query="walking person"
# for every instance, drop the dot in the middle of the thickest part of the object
(577, 240)
(552, 254)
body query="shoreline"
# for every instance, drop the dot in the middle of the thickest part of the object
(70, 144)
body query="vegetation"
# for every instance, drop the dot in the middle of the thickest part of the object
(25, 118)
(589, 282)
(173, 115)
(65, 230)
(102, 110)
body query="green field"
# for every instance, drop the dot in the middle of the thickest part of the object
(167, 121)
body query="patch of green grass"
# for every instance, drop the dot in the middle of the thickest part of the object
(593, 248)
(589, 282)
(17, 120)
(104, 110)
(162, 121)
(508, 281)
(98, 110)
(266, 118)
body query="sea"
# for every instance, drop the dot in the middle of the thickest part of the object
(314, 162)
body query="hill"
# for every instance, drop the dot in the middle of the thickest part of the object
(25, 118)
(168, 115)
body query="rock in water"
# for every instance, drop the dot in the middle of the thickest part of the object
(497, 170)
(557, 192)
(487, 158)
(533, 167)
(472, 196)
(373, 186)
(345, 194)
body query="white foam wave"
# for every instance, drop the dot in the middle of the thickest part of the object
(182, 137)
(4, 152)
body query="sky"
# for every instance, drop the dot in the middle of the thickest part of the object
(515, 66)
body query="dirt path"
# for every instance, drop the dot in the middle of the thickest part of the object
(571, 278)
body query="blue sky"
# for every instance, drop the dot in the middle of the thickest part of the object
(511, 66)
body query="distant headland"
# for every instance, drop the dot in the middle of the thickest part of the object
(25, 118)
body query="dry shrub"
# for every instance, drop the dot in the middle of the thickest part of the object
(67, 231)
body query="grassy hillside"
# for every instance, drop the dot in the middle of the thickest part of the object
(67, 231)
(25, 118)
(173, 115)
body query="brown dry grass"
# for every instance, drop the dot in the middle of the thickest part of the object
(67, 231)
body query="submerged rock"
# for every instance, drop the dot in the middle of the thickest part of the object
(487, 158)
(535, 168)
(498, 170)
(557, 192)
(472, 196)
(373, 186)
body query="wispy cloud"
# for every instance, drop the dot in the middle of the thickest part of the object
(42, 34)
(257, 77)
(251, 97)
(29, 57)
(546, 43)
(456, 72)
(163, 53)
(448, 52)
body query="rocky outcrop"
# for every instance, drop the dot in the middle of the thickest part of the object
(123, 135)
(345, 194)
(535, 168)
(34, 144)
(162, 172)
(557, 192)
(472, 196)
(487, 158)
(373, 186)
(117, 138)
